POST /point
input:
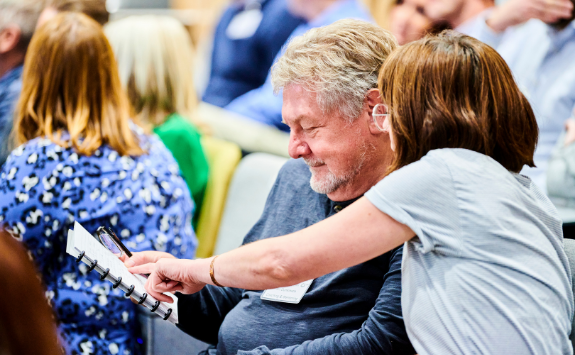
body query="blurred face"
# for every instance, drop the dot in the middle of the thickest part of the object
(46, 15)
(408, 22)
(443, 10)
(334, 150)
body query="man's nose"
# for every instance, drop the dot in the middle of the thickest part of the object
(297, 147)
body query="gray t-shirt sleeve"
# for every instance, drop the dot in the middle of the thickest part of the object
(422, 196)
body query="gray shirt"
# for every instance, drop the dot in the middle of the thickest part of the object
(486, 272)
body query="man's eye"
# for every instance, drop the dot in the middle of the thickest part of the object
(309, 129)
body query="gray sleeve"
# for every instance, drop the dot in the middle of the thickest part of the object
(422, 196)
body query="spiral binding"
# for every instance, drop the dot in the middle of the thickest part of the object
(129, 290)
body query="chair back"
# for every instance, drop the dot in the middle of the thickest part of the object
(247, 197)
(223, 157)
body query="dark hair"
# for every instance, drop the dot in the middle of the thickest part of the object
(26, 325)
(96, 9)
(563, 23)
(453, 91)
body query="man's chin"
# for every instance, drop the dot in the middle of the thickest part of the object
(324, 186)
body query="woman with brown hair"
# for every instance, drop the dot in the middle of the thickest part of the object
(82, 159)
(484, 271)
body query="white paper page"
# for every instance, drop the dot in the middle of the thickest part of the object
(82, 240)
(70, 244)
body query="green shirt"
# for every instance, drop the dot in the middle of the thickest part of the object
(183, 140)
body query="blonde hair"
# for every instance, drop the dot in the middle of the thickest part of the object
(70, 83)
(339, 62)
(155, 58)
(381, 11)
(24, 14)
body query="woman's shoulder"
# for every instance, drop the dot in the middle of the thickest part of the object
(36, 150)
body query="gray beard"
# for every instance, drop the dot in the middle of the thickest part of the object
(332, 182)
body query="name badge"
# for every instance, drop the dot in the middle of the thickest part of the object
(292, 294)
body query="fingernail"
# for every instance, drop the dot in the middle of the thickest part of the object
(130, 263)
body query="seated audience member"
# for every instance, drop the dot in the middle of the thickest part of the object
(17, 23)
(330, 75)
(408, 22)
(261, 104)
(96, 9)
(561, 178)
(154, 55)
(26, 325)
(81, 159)
(484, 270)
(540, 56)
(247, 38)
(459, 14)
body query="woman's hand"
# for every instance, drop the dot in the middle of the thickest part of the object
(145, 257)
(515, 12)
(170, 275)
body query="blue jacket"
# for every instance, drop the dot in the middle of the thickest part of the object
(10, 87)
(241, 65)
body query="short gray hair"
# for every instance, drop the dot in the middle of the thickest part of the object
(339, 62)
(22, 13)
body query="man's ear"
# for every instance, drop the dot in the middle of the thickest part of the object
(371, 99)
(9, 38)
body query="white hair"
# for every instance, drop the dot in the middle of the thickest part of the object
(22, 13)
(339, 62)
(155, 60)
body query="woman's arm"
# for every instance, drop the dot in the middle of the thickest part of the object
(355, 235)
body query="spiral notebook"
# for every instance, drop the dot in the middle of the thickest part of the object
(85, 248)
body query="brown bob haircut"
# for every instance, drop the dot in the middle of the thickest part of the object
(453, 91)
(71, 84)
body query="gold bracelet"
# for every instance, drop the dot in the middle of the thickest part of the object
(212, 272)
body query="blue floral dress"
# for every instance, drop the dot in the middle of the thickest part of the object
(44, 188)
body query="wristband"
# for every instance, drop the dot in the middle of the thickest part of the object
(212, 276)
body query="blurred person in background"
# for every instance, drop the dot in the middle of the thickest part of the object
(154, 55)
(82, 159)
(17, 24)
(330, 75)
(459, 14)
(247, 38)
(27, 325)
(96, 9)
(408, 22)
(539, 47)
(261, 104)
(561, 178)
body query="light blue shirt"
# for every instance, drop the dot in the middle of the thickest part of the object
(261, 104)
(486, 272)
(542, 60)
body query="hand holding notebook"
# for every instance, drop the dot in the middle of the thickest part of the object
(85, 248)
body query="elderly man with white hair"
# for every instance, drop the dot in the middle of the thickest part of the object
(329, 80)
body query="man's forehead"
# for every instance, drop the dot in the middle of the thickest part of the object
(299, 103)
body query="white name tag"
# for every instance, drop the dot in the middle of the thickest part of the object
(292, 294)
